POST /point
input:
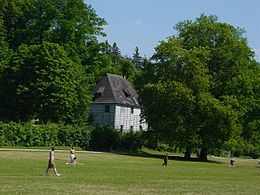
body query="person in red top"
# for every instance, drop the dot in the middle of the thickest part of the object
(51, 163)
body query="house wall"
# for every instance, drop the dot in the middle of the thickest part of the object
(101, 117)
(126, 120)
(120, 117)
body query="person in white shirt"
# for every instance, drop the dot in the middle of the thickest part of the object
(73, 156)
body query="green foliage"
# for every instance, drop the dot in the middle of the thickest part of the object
(98, 138)
(57, 59)
(5, 52)
(137, 59)
(163, 147)
(167, 101)
(251, 126)
(108, 59)
(115, 53)
(63, 22)
(147, 75)
(107, 138)
(200, 87)
(28, 134)
(46, 85)
(5, 55)
(131, 141)
(150, 139)
(230, 55)
(218, 122)
(42, 80)
(128, 69)
(104, 138)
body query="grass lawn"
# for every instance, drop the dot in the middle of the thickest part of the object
(22, 172)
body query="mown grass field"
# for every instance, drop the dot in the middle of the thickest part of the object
(22, 172)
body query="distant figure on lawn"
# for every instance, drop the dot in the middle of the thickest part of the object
(73, 156)
(231, 162)
(165, 160)
(51, 163)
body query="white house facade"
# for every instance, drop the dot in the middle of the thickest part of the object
(115, 103)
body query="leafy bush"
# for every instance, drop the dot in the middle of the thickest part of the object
(150, 139)
(249, 149)
(163, 147)
(27, 134)
(104, 138)
(107, 138)
(131, 141)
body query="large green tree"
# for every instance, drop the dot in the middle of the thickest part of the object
(251, 130)
(57, 21)
(213, 63)
(42, 82)
(27, 26)
(70, 23)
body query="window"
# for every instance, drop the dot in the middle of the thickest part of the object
(132, 109)
(97, 95)
(121, 128)
(127, 94)
(107, 108)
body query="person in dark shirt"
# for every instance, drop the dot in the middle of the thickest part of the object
(165, 160)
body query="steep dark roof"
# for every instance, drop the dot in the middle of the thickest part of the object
(115, 89)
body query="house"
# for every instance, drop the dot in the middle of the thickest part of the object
(115, 103)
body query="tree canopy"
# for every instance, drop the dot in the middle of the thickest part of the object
(43, 83)
(52, 42)
(207, 67)
(63, 22)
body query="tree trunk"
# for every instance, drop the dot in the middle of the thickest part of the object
(187, 153)
(203, 154)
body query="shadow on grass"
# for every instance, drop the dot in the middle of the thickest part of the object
(161, 156)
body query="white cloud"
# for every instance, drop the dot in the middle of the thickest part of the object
(257, 51)
(257, 54)
(138, 22)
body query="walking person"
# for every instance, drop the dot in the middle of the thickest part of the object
(51, 163)
(165, 160)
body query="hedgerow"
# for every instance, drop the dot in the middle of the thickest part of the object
(27, 134)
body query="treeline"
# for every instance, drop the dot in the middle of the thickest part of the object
(200, 91)
(86, 137)
(94, 138)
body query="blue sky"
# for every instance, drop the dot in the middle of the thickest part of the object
(143, 23)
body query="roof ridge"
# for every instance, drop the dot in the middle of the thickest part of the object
(114, 75)
(109, 82)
